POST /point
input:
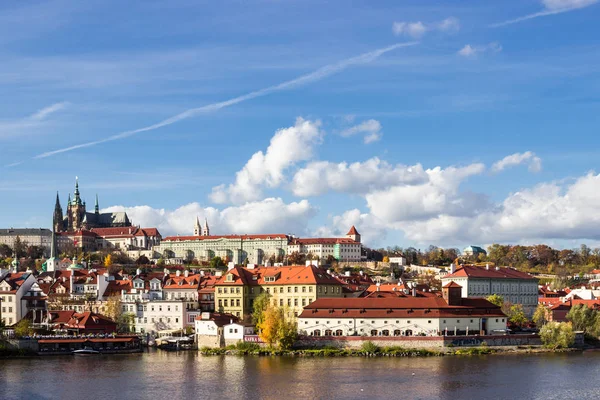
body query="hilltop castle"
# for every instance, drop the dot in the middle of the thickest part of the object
(78, 218)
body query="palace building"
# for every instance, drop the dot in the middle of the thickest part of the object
(77, 217)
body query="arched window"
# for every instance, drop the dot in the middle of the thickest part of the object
(397, 332)
(408, 332)
(339, 332)
(385, 332)
(316, 332)
(374, 332)
(328, 332)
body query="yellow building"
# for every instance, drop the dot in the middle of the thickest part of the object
(291, 286)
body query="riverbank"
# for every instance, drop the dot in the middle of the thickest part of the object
(371, 350)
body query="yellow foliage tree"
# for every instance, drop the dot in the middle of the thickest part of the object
(108, 261)
(276, 329)
(386, 259)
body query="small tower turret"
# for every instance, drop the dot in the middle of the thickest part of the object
(353, 234)
(197, 228)
(57, 217)
(97, 207)
(205, 230)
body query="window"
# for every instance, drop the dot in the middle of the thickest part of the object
(397, 332)
(316, 332)
(225, 290)
(176, 320)
(429, 321)
(220, 303)
(339, 332)
(310, 289)
(220, 290)
(280, 302)
(289, 289)
(281, 289)
(328, 332)
(251, 290)
(303, 289)
(496, 319)
(295, 289)
(145, 320)
(296, 302)
(237, 302)
(374, 332)
(444, 321)
(237, 290)
(289, 302)
(303, 302)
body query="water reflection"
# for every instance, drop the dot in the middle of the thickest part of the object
(188, 375)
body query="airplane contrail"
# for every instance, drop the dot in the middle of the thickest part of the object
(552, 7)
(301, 80)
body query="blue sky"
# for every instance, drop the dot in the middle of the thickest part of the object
(466, 87)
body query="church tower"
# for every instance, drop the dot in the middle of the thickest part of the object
(97, 207)
(353, 234)
(57, 218)
(197, 229)
(76, 209)
(205, 230)
(52, 262)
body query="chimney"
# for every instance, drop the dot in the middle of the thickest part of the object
(347, 273)
(138, 271)
(186, 273)
(378, 284)
(414, 290)
(72, 280)
(178, 273)
(497, 268)
(308, 262)
(487, 266)
(201, 273)
(452, 268)
(166, 271)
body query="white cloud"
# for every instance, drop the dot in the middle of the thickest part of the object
(470, 51)
(46, 111)
(450, 24)
(412, 29)
(418, 29)
(287, 147)
(320, 177)
(534, 162)
(440, 194)
(546, 211)
(371, 128)
(270, 215)
(551, 7)
(372, 230)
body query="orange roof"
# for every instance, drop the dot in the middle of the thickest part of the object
(298, 274)
(15, 280)
(352, 231)
(452, 284)
(471, 271)
(182, 282)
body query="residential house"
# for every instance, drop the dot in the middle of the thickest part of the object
(13, 287)
(290, 286)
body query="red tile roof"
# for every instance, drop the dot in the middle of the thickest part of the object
(323, 241)
(472, 271)
(352, 231)
(398, 307)
(273, 236)
(15, 280)
(452, 284)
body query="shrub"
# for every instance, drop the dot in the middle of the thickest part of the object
(370, 347)
(247, 346)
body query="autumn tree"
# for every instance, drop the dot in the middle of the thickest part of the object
(108, 261)
(296, 258)
(276, 329)
(516, 314)
(114, 308)
(23, 328)
(386, 259)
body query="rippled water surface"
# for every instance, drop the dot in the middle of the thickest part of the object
(161, 375)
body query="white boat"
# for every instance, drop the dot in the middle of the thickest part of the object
(86, 351)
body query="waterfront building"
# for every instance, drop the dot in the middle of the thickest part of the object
(155, 316)
(514, 286)
(14, 286)
(402, 316)
(290, 286)
(81, 323)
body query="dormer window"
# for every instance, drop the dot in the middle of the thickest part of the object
(229, 278)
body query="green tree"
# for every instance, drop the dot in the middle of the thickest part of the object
(496, 299)
(23, 328)
(540, 316)
(557, 335)
(296, 258)
(516, 315)
(142, 260)
(585, 319)
(160, 262)
(5, 251)
(217, 263)
(260, 305)
(19, 247)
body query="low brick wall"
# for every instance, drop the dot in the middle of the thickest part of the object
(419, 342)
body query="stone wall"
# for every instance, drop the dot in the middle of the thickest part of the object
(419, 342)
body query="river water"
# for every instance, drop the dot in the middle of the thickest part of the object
(187, 375)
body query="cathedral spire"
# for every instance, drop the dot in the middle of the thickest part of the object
(97, 207)
(57, 218)
(76, 199)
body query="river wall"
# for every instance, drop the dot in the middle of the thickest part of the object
(419, 342)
